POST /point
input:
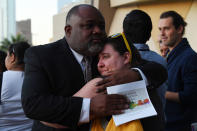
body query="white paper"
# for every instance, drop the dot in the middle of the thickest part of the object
(140, 106)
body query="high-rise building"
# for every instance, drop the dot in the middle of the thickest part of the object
(61, 3)
(7, 19)
(23, 27)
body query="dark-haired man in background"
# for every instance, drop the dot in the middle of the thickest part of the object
(182, 74)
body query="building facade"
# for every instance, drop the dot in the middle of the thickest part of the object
(7, 19)
(24, 28)
(61, 3)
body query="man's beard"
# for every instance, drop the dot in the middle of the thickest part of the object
(95, 48)
(170, 43)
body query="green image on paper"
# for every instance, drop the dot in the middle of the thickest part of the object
(139, 103)
(132, 105)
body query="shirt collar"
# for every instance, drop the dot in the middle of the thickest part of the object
(78, 56)
(141, 46)
(178, 49)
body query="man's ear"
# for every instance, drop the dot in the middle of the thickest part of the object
(12, 58)
(127, 57)
(67, 30)
(180, 29)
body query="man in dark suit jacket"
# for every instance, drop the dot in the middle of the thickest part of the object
(53, 73)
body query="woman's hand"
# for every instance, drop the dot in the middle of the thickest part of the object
(90, 89)
(54, 125)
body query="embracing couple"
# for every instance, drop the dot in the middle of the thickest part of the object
(55, 93)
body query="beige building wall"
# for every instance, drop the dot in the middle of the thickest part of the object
(23, 27)
(58, 26)
(116, 25)
(191, 29)
(187, 8)
(107, 12)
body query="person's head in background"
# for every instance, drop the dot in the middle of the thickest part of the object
(137, 26)
(116, 55)
(2, 61)
(15, 56)
(163, 49)
(172, 28)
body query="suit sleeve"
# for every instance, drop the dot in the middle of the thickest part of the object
(155, 73)
(38, 100)
(1, 77)
(189, 78)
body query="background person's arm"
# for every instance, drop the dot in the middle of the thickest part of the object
(172, 96)
(187, 95)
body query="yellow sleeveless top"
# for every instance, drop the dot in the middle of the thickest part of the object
(130, 126)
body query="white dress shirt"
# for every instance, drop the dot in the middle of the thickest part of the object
(85, 110)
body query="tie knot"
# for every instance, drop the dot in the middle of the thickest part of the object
(86, 63)
(86, 60)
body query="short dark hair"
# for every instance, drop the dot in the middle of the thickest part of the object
(74, 11)
(137, 26)
(177, 19)
(119, 45)
(2, 60)
(18, 49)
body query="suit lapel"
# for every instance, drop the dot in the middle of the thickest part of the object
(65, 52)
(69, 61)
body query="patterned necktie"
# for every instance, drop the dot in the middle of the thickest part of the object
(86, 62)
